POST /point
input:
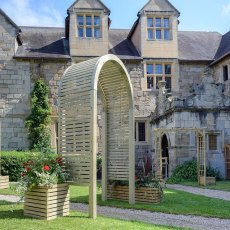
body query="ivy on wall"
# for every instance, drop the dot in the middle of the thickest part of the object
(37, 123)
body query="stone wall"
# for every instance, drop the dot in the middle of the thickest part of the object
(190, 73)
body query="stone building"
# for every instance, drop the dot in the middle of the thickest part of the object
(153, 50)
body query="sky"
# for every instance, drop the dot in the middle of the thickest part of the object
(196, 15)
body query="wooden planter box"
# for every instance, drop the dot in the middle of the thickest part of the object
(142, 194)
(4, 182)
(47, 203)
(209, 180)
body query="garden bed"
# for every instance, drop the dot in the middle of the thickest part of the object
(4, 182)
(142, 194)
(47, 203)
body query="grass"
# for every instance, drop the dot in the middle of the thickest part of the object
(220, 185)
(175, 202)
(12, 220)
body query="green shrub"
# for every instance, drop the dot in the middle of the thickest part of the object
(12, 164)
(38, 121)
(188, 172)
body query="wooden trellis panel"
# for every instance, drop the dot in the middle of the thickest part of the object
(201, 158)
(78, 124)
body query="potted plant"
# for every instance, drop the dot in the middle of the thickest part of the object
(43, 187)
(147, 189)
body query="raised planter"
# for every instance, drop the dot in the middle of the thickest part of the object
(142, 194)
(209, 180)
(4, 182)
(47, 203)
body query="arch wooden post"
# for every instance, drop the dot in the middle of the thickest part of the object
(78, 124)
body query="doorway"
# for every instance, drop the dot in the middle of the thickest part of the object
(227, 161)
(165, 157)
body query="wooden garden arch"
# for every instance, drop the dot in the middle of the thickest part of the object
(201, 150)
(78, 97)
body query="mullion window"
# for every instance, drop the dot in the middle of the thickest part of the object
(158, 28)
(89, 26)
(156, 72)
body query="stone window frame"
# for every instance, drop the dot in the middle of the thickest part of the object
(158, 76)
(154, 28)
(91, 26)
(136, 131)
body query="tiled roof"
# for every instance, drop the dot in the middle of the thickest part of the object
(224, 48)
(121, 46)
(198, 46)
(43, 42)
(9, 20)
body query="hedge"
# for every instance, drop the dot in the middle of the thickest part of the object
(12, 163)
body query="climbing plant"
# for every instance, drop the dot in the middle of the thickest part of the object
(38, 121)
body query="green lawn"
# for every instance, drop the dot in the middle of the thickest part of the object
(15, 220)
(176, 202)
(220, 185)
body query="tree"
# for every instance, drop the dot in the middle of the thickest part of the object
(37, 123)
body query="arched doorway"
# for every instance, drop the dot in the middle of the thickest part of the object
(78, 124)
(165, 156)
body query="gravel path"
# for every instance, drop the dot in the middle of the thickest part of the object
(200, 191)
(9, 198)
(191, 222)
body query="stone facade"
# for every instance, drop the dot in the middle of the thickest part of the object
(186, 106)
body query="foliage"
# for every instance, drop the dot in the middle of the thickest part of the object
(39, 119)
(41, 170)
(188, 172)
(11, 163)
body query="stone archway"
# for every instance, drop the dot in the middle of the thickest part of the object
(78, 124)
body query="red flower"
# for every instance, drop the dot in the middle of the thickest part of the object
(46, 168)
(23, 174)
(27, 169)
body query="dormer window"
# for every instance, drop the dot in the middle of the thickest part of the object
(88, 26)
(158, 28)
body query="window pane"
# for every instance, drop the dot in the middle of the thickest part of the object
(158, 34)
(80, 20)
(212, 142)
(88, 32)
(159, 69)
(166, 34)
(150, 34)
(80, 32)
(166, 22)
(168, 82)
(150, 22)
(96, 20)
(141, 131)
(88, 20)
(149, 82)
(158, 22)
(168, 69)
(157, 80)
(225, 73)
(149, 69)
(97, 33)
